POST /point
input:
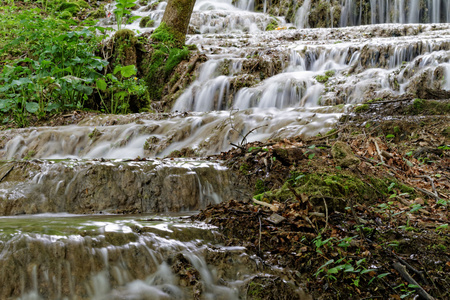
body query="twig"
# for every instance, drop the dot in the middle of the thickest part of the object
(245, 136)
(427, 192)
(404, 273)
(325, 136)
(264, 204)
(389, 101)
(240, 147)
(378, 150)
(326, 214)
(6, 174)
(436, 195)
(259, 240)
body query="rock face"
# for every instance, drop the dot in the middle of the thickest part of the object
(113, 186)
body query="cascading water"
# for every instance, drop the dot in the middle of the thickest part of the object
(395, 11)
(284, 83)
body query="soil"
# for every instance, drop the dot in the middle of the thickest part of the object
(345, 224)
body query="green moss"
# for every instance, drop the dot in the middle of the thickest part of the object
(175, 57)
(418, 104)
(322, 78)
(337, 187)
(99, 12)
(429, 107)
(72, 7)
(65, 15)
(333, 136)
(260, 187)
(361, 108)
(164, 59)
(244, 168)
(330, 73)
(82, 4)
(143, 22)
(256, 291)
(165, 35)
(272, 25)
(146, 22)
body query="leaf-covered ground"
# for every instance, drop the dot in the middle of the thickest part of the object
(359, 213)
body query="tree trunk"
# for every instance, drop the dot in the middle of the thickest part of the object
(176, 19)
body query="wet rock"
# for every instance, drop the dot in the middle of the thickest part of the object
(343, 155)
(96, 186)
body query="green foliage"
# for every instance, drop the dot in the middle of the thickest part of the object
(60, 77)
(165, 57)
(122, 11)
(330, 73)
(175, 57)
(119, 91)
(418, 104)
(361, 108)
(321, 78)
(272, 25)
(163, 35)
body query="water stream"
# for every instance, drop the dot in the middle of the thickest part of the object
(295, 81)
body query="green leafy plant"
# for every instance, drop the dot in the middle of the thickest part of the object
(122, 10)
(119, 89)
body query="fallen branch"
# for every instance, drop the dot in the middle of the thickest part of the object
(436, 195)
(420, 273)
(378, 150)
(6, 174)
(405, 275)
(325, 136)
(240, 147)
(272, 207)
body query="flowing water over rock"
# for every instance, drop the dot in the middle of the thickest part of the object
(110, 257)
(255, 85)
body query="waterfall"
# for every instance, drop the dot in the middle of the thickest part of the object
(395, 11)
(301, 16)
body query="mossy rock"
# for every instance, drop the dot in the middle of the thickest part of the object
(343, 155)
(99, 13)
(146, 22)
(125, 43)
(65, 15)
(71, 7)
(321, 78)
(336, 188)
